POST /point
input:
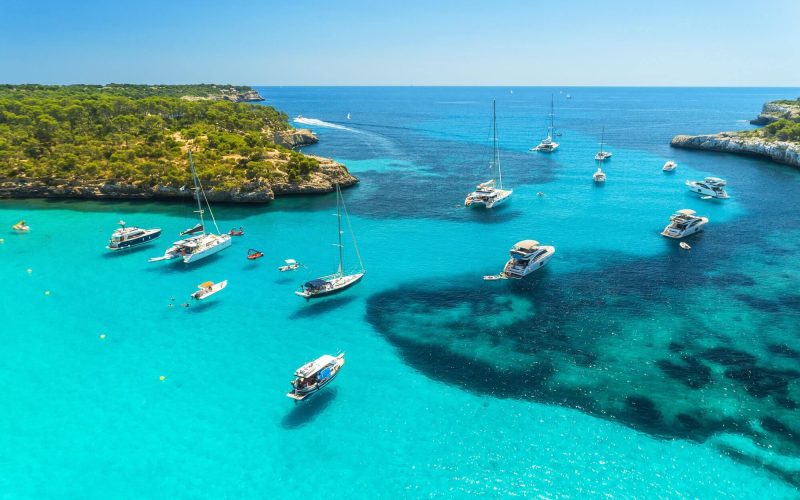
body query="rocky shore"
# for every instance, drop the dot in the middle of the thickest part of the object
(258, 191)
(295, 138)
(731, 142)
(228, 94)
(774, 111)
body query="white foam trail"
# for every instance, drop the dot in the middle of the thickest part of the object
(319, 123)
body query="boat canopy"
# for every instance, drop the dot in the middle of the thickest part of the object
(526, 245)
(315, 366)
(290, 261)
(314, 284)
(686, 211)
(715, 180)
(205, 284)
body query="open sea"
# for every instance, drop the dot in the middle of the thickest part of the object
(626, 368)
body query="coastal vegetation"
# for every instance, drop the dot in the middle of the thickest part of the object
(783, 130)
(139, 134)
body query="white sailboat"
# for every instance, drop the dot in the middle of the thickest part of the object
(548, 145)
(201, 244)
(602, 155)
(491, 192)
(338, 281)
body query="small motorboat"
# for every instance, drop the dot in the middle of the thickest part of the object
(236, 232)
(669, 166)
(253, 254)
(314, 375)
(291, 265)
(21, 227)
(599, 177)
(208, 288)
(685, 245)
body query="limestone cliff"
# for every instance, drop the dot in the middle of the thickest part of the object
(731, 142)
(295, 138)
(774, 111)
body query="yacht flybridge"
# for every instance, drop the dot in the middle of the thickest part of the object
(491, 192)
(201, 244)
(684, 223)
(526, 257)
(602, 155)
(131, 236)
(713, 187)
(338, 281)
(548, 145)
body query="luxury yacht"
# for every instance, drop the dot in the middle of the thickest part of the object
(669, 166)
(713, 187)
(683, 223)
(491, 192)
(548, 145)
(599, 176)
(313, 376)
(526, 257)
(200, 244)
(128, 237)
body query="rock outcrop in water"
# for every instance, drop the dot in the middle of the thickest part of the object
(295, 138)
(732, 142)
(774, 111)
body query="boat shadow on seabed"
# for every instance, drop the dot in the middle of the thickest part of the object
(305, 412)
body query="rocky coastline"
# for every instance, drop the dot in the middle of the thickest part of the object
(731, 142)
(321, 181)
(774, 111)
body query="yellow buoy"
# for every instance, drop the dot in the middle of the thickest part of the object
(102, 335)
(162, 378)
(30, 270)
(47, 292)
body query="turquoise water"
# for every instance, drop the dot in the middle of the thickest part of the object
(626, 367)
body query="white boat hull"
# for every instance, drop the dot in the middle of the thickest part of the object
(704, 191)
(518, 272)
(498, 197)
(223, 242)
(335, 285)
(205, 293)
(670, 232)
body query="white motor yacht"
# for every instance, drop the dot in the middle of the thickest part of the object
(131, 236)
(201, 244)
(713, 187)
(314, 375)
(527, 256)
(683, 223)
(669, 166)
(599, 176)
(491, 193)
(548, 145)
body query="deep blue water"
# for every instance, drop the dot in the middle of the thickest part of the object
(626, 367)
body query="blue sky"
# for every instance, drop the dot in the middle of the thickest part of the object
(408, 42)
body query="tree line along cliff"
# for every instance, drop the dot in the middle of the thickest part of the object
(138, 136)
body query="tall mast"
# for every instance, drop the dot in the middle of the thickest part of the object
(196, 190)
(602, 138)
(496, 150)
(552, 117)
(339, 223)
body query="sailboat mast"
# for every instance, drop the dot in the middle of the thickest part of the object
(602, 138)
(196, 190)
(552, 117)
(496, 151)
(339, 224)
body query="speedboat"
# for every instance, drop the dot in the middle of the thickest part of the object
(487, 194)
(253, 254)
(669, 166)
(208, 288)
(683, 223)
(527, 256)
(291, 265)
(599, 176)
(685, 245)
(491, 192)
(132, 236)
(314, 375)
(21, 227)
(713, 187)
(200, 244)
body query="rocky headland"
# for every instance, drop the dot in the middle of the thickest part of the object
(778, 141)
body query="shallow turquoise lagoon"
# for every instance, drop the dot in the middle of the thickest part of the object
(626, 367)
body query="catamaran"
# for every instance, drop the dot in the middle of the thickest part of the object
(602, 155)
(201, 244)
(338, 281)
(548, 145)
(491, 192)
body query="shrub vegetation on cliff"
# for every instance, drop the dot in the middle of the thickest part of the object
(783, 130)
(139, 134)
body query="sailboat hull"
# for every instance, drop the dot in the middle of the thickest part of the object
(332, 287)
(223, 242)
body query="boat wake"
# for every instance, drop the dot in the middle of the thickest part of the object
(320, 123)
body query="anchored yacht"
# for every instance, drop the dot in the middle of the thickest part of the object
(527, 256)
(129, 237)
(548, 145)
(683, 223)
(314, 375)
(599, 176)
(491, 192)
(201, 244)
(713, 187)
(669, 166)
(602, 155)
